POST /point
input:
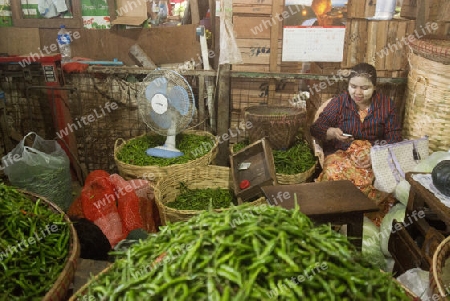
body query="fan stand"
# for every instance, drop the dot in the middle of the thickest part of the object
(168, 150)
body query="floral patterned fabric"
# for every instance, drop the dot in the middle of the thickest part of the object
(341, 166)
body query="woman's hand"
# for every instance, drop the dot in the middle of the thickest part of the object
(336, 133)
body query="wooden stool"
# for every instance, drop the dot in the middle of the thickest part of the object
(336, 202)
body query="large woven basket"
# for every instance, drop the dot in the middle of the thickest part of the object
(60, 288)
(279, 125)
(155, 173)
(428, 102)
(437, 287)
(435, 48)
(168, 189)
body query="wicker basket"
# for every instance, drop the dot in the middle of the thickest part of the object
(284, 179)
(60, 288)
(435, 48)
(437, 287)
(211, 176)
(155, 173)
(299, 178)
(279, 125)
(428, 102)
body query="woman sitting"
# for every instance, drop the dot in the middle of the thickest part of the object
(348, 127)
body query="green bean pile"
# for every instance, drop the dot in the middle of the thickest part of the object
(202, 199)
(245, 253)
(297, 159)
(34, 245)
(193, 147)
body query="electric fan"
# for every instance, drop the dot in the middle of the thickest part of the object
(167, 106)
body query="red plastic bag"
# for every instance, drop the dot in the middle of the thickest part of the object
(98, 200)
(128, 203)
(147, 206)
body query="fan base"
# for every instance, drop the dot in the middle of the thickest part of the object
(164, 152)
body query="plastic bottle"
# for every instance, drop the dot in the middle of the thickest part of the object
(64, 41)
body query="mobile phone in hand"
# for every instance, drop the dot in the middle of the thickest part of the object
(347, 135)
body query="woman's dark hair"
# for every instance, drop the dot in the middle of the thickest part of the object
(366, 70)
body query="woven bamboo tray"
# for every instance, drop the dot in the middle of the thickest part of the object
(60, 288)
(129, 171)
(437, 287)
(428, 102)
(279, 125)
(211, 176)
(435, 48)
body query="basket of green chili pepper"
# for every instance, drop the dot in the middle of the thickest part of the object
(188, 193)
(199, 147)
(246, 253)
(294, 165)
(39, 247)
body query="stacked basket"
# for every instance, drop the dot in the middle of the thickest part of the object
(279, 125)
(428, 97)
(129, 171)
(168, 189)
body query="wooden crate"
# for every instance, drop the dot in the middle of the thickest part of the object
(361, 8)
(409, 9)
(380, 43)
(261, 171)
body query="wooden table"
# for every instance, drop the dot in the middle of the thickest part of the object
(336, 202)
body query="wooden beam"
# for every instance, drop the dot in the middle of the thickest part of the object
(195, 14)
(224, 111)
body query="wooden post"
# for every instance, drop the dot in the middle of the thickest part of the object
(223, 110)
(195, 14)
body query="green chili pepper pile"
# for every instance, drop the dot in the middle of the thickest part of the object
(244, 253)
(34, 245)
(193, 147)
(201, 199)
(297, 159)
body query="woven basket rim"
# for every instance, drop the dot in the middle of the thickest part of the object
(294, 178)
(72, 257)
(437, 52)
(117, 149)
(442, 250)
(163, 209)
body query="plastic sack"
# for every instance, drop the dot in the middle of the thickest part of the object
(127, 204)
(371, 247)
(98, 200)
(43, 169)
(229, 50)
(398, 213)
(429, 163)
(147, 205)
(401, 192)
(417, 281)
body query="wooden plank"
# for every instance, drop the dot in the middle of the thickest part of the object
(195, 14)
(371, 52)
(395, 48)
(252, 27)
(381, 44)
(251, 68)
(252, 9)
(22, 41)
(253, 2)
(274, 38)
(409, 9)
(223, 110)
(400, 56)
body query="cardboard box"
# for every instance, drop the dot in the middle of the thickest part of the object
(131, 12)
(260, 170)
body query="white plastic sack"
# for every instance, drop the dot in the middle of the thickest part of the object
(43, 169)
(429, 163)
(398, 213)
